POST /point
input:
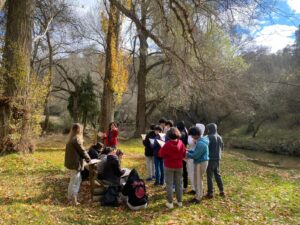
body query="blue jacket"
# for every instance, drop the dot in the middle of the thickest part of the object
(200, 153)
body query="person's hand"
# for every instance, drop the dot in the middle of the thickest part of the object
(100, 134)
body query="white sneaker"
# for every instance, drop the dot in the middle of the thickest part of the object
(179, 204)
(170, 205)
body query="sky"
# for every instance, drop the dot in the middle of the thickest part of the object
(274, 31)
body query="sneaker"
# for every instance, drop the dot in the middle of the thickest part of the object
(179, 204)
(170, 205)
(209, 196)
(192, 192)
(222, 194)
(195, 201)
(149, 179)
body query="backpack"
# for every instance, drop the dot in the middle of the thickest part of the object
(139, 189)
(110, 197)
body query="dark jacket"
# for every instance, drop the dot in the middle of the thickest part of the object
(183, 131)
(101, 165)
(75, 154)
(129, 190)
(216, 145)
(147, 144)
(112, 171)
(93, 153)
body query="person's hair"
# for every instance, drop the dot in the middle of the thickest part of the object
(119, 152)
(110, 124)
(107, 150)
(76, 130)
(173, 133)
(152, 127)
(162, 120)
(157, 128)
(195, 131)
(98, 146)
(170, 123)
(180, 125)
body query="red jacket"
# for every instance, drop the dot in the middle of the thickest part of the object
(111, 141)
(173, 152)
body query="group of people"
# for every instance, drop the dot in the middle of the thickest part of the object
(175, 155)
(121, 185)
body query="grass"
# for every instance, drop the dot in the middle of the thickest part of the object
(33, 189)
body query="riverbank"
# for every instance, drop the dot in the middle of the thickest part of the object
(33, 189)
(271, 138)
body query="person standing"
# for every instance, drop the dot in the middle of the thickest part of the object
(149, 153)
(173, 152)
(74, 161)
(216, 146)
(111, 135)
(184, 138)
(158, 161)
(200, 157)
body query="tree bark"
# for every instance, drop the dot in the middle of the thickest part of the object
(16, 58)
(107, 103)
(141, 77)
(47, 110)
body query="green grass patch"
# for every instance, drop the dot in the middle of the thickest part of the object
(33, 189)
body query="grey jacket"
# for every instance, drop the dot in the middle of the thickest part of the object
(75, 154)
(216, 145)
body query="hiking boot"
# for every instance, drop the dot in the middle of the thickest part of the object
(209, 196)
(192, 192)
(170, 205)
(222, 194)
(195, 201)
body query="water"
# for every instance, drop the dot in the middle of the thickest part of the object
(270, 159)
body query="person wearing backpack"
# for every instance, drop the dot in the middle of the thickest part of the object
(134, 192)
(173, 152)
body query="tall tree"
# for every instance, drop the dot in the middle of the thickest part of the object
(14, 110)
(116, 73)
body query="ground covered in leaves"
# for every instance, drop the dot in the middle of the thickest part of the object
(33, 189)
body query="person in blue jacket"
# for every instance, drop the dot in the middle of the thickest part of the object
(200, 156)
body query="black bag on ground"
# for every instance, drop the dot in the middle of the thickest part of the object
(110, 197)
(135, 189)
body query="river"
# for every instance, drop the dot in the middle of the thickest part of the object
(270, 159)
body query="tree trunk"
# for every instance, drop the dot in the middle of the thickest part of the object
(112, 39)
(16, 57)
(47, 110)
(140, 126)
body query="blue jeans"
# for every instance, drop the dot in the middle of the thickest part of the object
(159, 170)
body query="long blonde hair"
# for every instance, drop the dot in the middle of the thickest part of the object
(76, 130)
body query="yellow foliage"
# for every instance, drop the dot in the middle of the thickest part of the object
(119, 60)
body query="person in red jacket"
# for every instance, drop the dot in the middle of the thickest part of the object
(173, 152)
(111, 136)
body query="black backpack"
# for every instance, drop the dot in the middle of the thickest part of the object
(139, 189)
(110, 197)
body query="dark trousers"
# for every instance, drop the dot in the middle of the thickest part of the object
(185, 175)
(213, 169)
(159, 170)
